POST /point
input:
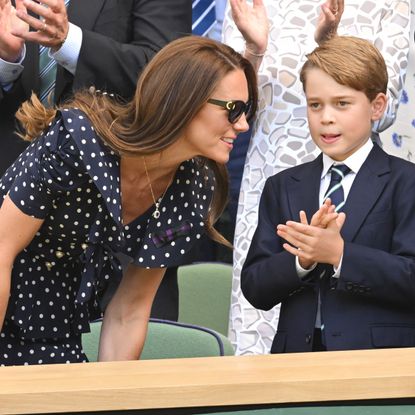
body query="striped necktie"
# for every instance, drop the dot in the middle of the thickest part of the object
(335, 190)
(47, 73)
(203, 16)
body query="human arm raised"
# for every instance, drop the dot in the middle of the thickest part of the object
(126, 318)
(329, 19)
(252, 22)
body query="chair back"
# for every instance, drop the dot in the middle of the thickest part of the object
(168, 340)
(205, 295)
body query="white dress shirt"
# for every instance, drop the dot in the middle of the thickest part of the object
(354, 163)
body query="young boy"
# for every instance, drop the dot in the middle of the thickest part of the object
(346, 280)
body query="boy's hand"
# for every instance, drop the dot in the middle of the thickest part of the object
(322, 217)
(313, 243)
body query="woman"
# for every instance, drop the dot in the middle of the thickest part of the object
(101, 179)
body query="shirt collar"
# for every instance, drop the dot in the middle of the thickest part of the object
(353, 162)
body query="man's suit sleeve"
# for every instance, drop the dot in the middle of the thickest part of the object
(113, 65)
(269, 274)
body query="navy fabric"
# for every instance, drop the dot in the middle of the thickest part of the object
(371, 303)
(335, 190)
(71, 179)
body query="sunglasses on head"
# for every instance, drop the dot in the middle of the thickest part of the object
(235, 108)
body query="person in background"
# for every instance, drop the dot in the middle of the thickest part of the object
(102, 43)
(216, 32)
(100, 179)
(399, 139)
(345, 280)
(281, 137)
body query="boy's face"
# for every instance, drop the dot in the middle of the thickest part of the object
(339, 117)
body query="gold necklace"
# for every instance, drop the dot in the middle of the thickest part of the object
(156, 213)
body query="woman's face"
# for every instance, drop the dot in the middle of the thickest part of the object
(210, 134)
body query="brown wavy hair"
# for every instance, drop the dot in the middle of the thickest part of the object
(350, 61)
(171, 90)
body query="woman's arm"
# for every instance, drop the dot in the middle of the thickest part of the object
(16, 231)
(125, 322)
(252, 22)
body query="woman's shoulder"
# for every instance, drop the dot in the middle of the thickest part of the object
(77, 124)
(79, 133)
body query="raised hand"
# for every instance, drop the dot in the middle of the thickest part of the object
(50, 29)
(331, 13)
(11, 46)
(252, 22)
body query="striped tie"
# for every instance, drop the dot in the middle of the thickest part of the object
(47, 73)
(335, 189)
(203, 16)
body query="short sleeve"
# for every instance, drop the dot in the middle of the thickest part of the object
(49, 167)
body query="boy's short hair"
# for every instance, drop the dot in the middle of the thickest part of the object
(350, 61)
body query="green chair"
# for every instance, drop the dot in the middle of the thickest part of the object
(205, 295)
(168, 340)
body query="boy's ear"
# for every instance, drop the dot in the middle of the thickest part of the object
(379, 106)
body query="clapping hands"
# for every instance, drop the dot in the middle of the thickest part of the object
(50, 28)
(318, 241)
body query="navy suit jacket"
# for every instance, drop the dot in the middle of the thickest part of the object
(372, 304)
(119, 39)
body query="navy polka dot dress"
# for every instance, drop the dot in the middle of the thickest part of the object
(70, 178)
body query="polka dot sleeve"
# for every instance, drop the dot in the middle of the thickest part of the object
(49, 167)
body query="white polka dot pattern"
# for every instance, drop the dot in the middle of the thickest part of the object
(70, 178)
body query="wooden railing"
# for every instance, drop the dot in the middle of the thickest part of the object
(209, 382)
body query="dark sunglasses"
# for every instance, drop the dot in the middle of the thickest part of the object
(235, 108)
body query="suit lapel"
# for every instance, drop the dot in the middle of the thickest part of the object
(303, 188)
(366, 189)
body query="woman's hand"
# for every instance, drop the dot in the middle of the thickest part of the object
(11, 46)
(252, 22)
(331, 13)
